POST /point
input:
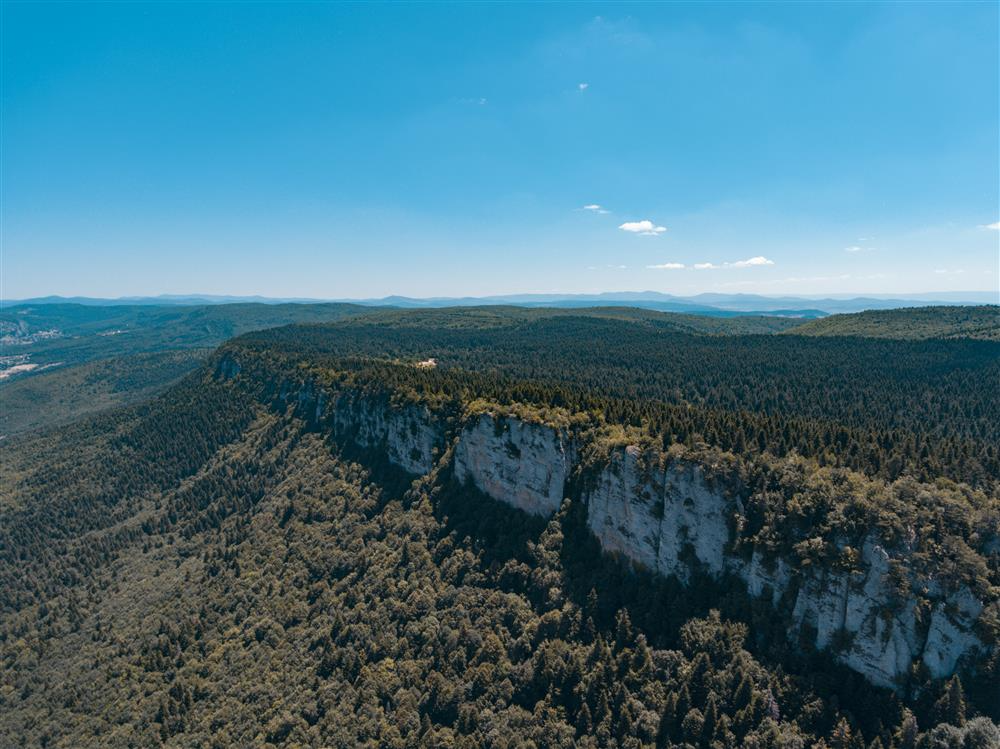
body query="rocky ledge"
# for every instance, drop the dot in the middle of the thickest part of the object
(676, 517)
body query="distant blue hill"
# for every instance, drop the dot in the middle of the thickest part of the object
(714, 304)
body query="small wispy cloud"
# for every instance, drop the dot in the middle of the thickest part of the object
(994, 226)
(948, 271)
(595, 208)
(750, 262)
(644, 227)
(583, 86)
(861, 246)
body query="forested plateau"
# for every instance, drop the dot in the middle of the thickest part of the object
(484, 529)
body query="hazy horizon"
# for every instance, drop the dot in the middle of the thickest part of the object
(966, 296)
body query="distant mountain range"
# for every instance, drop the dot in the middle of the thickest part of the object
(705, 304)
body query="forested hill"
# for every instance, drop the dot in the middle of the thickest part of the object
(73, 333)
(499, 316)
(884, 407)
(982, 323)
(60, 361)
(63, 360)
(310, 542)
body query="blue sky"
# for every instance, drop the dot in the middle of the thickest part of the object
(361, 150)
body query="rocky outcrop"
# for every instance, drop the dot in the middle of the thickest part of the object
(658, 516)
(670, 519)
(763, 577)
(673, 516)
(228, 368)
(408, 434)
(950, 633)
(523, 464)
(859, 615)
(411, 437)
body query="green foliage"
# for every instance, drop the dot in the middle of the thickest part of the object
(982, 323)
(64, 394)
(93, 357)
(208, 569)
(283, 595)
(886, 408)
(84, 332)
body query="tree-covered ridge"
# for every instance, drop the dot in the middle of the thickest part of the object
(63, 394)
(501, 316)
(266, 589)
(883, 407)
(216, 568)
(94, 357)
(83, 333)
(918, 323)
(796, 508)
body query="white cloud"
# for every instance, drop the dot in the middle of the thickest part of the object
(583, 86)
(751, 262)
(947, 272)
(666, 266)
(994, 226)
(595, 208)
(854, 248)
(644, 227)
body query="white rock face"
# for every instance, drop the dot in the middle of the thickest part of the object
(662, 519)
(879, 638)
(670, 518)
(950, 634)
(761, 576)
(652, 514)
(409, 434)
(525, 465)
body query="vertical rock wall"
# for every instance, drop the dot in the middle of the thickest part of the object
(657, 515)
(667, 519)
(525, 465)
(670, 517)
(411, 437)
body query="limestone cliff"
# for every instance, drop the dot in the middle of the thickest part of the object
(668, 518)
(653, 514)
(411, 437)
(523, 464)
(409, 434)
(674, 515)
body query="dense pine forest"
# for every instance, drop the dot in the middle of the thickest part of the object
(917, 323)
(214, 567)
(77, 358)
(885, 407)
